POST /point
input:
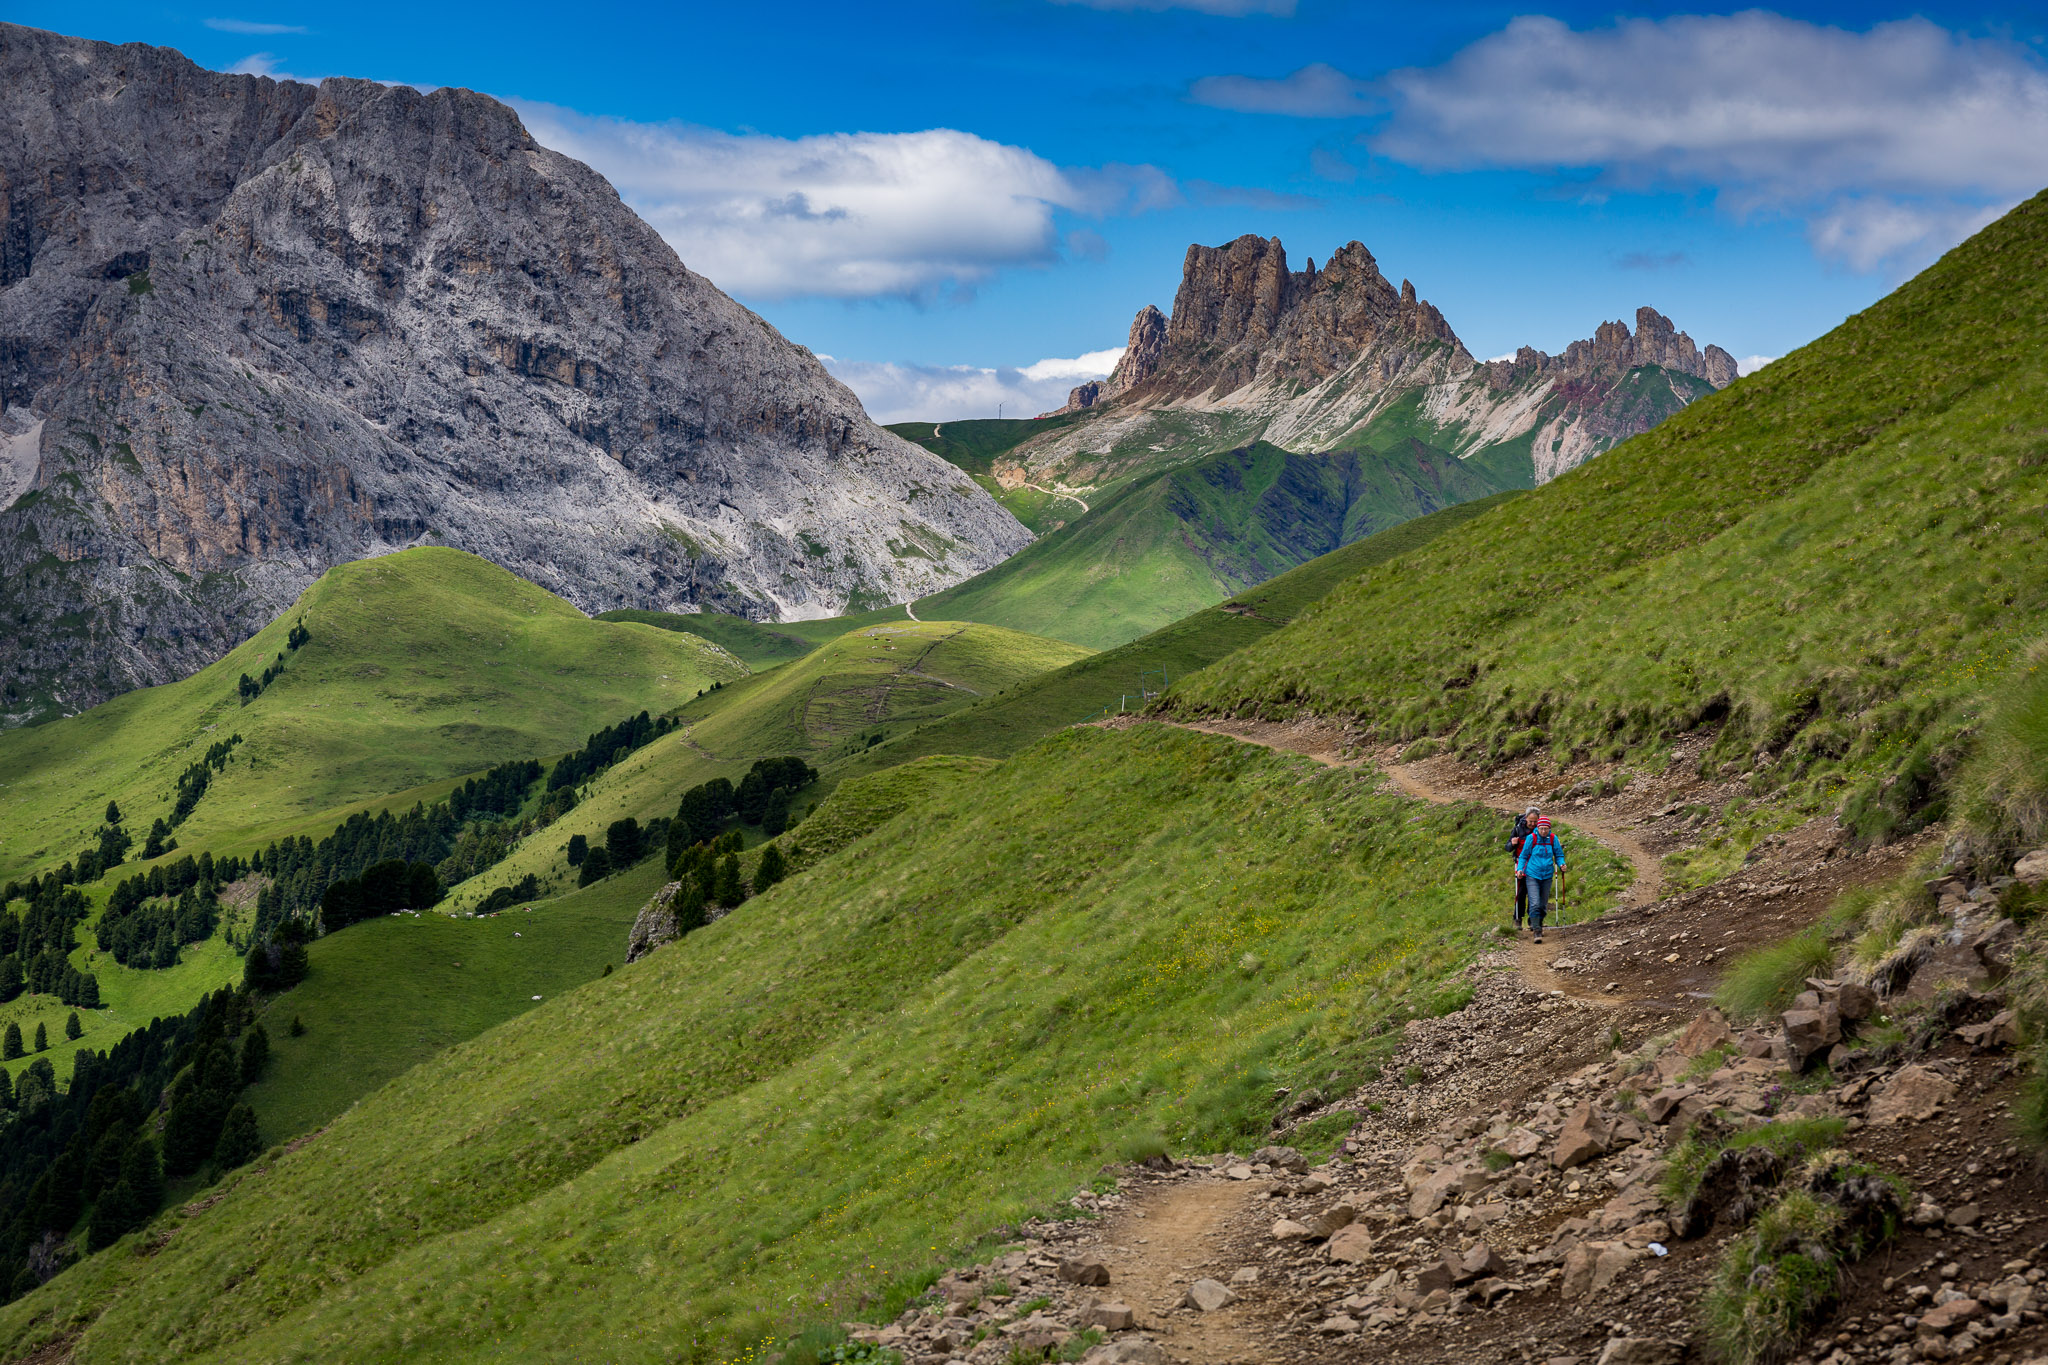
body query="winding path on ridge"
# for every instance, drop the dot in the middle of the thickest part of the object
(1532, 960)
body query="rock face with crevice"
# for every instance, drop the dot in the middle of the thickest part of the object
(250, 329)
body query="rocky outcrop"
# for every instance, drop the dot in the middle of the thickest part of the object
(1309, 359)
(253, 328)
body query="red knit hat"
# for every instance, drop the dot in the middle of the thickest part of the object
(1543, 823)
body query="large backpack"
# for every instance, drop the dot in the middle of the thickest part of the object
(1521, 832)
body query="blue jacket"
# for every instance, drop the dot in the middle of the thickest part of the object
(1541, 856)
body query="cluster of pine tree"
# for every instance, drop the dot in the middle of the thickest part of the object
(192, 784)
(91, 1152)
(35, 945)
(526, 889)
(109, 850)
(150, 917)
(249, 689)
(385, 887)
(607, 747)
(626, 842)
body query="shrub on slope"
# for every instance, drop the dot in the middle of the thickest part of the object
(1115, 937)
(1832, 554)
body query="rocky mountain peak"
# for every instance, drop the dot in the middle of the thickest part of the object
(259, 328)
(1613, 351)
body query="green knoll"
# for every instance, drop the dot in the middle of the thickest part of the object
(418, 667)
(1183, 539)
(1114, 940)
(826, 707)
(1834, 555)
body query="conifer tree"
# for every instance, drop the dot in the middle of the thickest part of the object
(690, 908)
(6, 1092)
(10, 1046)
(775, 815)
(730, 892)
(579, 849)
(42, 1038)
(597, 865)
(113, 813)
(238, 1138)
(255, 1055)
(72, 1028)
(771, 870)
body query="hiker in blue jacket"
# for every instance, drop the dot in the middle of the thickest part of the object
(1525, 825)
(1541, 859)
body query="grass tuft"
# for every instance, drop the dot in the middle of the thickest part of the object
(1763, 981)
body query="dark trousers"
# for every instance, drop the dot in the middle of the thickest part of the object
(1521, 897)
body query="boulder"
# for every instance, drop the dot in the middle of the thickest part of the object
(1333, 1218)
(1640, 1351)
(1520, 1143)
(1810, 1033)
(1428, 1196)
(2002, 1030)
(1587, 1134)
(1479, 1263)
(1705, 1033)
(1662, 1107)
(1281, 1159)
(1351, 1245)
(1206, 1295)
(1438, 1275)
(1337, 1326)
(1110, 1317)
(1946, 967)
(2032, 868)
(1917, 1092)
(1088, 1270)
(1591, 1266)
(1944, 1318)
(1994, 944)
(1287, 1230)
(1637, 1203)
(1855, 1002)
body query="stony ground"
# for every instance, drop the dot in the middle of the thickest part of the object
(1502, 1194)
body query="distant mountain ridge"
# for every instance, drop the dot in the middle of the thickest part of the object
(1339, 357)
(250, 329)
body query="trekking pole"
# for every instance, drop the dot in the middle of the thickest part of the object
(1560, 897)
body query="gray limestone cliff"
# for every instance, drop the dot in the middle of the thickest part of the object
(250, 329)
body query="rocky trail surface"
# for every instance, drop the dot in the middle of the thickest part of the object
(1506, 1191)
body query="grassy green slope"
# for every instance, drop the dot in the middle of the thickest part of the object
(822, 707)
(1184, 539)
(1835, 552)
(390, 993)
(1029, 710)
(943, 1027)
(975, 445)
(753, 644)
(422, 666)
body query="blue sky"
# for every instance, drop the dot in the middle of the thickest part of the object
(956, 201)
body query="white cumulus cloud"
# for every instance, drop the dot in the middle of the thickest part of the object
(894, 392)
(1890, 143)
(842, 215)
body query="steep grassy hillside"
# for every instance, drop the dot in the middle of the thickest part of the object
(1028, 711)
(825, 707)
(419, 666)
(1181, 540)
(1113, 940)
(1833, 554)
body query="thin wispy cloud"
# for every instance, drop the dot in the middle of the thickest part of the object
(893, 392)
(1890, 143)
(845, 215)
(1318, 90)
(251, 28)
